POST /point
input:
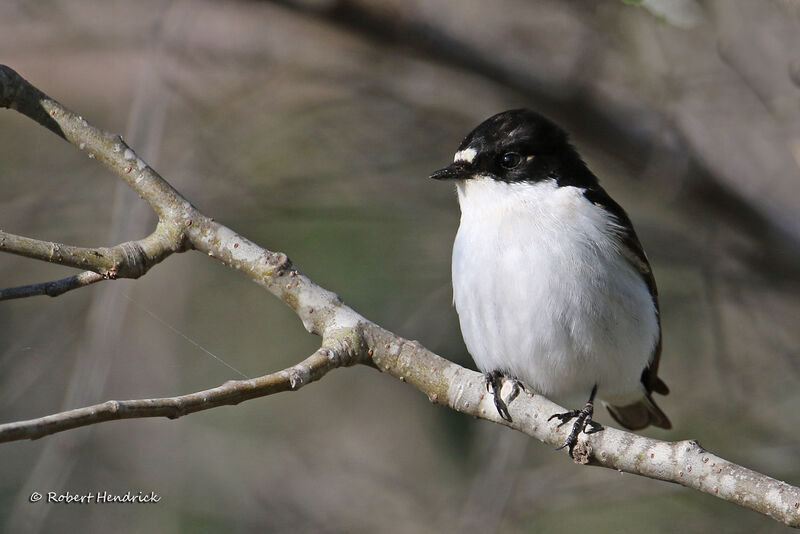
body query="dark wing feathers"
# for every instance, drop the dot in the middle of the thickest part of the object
(634, 253)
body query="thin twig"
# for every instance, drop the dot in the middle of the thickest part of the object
(233, 392)
(52, 289)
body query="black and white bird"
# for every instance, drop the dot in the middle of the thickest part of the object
(550, 282)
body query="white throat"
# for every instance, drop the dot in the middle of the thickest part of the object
(484, 196)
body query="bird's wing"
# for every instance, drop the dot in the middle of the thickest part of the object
(632, 250)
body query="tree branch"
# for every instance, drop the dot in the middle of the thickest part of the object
(131, 259)
(52, 289)
(233, 392)
(347, 339)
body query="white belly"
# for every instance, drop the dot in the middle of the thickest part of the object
(543, 295)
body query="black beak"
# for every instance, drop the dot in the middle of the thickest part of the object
(455, 171)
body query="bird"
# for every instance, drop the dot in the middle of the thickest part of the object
(551, 284)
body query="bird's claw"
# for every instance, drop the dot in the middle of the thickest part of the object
(494, 385)
(583, 423)
(565, 417)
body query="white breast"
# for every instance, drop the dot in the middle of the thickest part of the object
(544, 295)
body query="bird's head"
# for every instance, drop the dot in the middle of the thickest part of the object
(513, 146)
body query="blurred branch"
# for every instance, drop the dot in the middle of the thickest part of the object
(582, 100)
(390, 25)
(348, 338)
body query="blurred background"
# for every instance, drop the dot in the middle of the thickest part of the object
(311, 126)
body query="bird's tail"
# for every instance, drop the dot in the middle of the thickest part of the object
(640, 414)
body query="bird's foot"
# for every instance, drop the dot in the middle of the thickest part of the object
(494, 385)
(583, 422)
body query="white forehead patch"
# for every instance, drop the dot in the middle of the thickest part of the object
(465, 156)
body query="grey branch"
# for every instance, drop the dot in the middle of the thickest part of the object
(233, 392)
(51, 289)
(347, 337)
(126, 260)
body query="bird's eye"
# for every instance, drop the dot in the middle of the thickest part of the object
(510, 160)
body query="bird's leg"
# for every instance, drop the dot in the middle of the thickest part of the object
(583, 422)
(494, 385)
